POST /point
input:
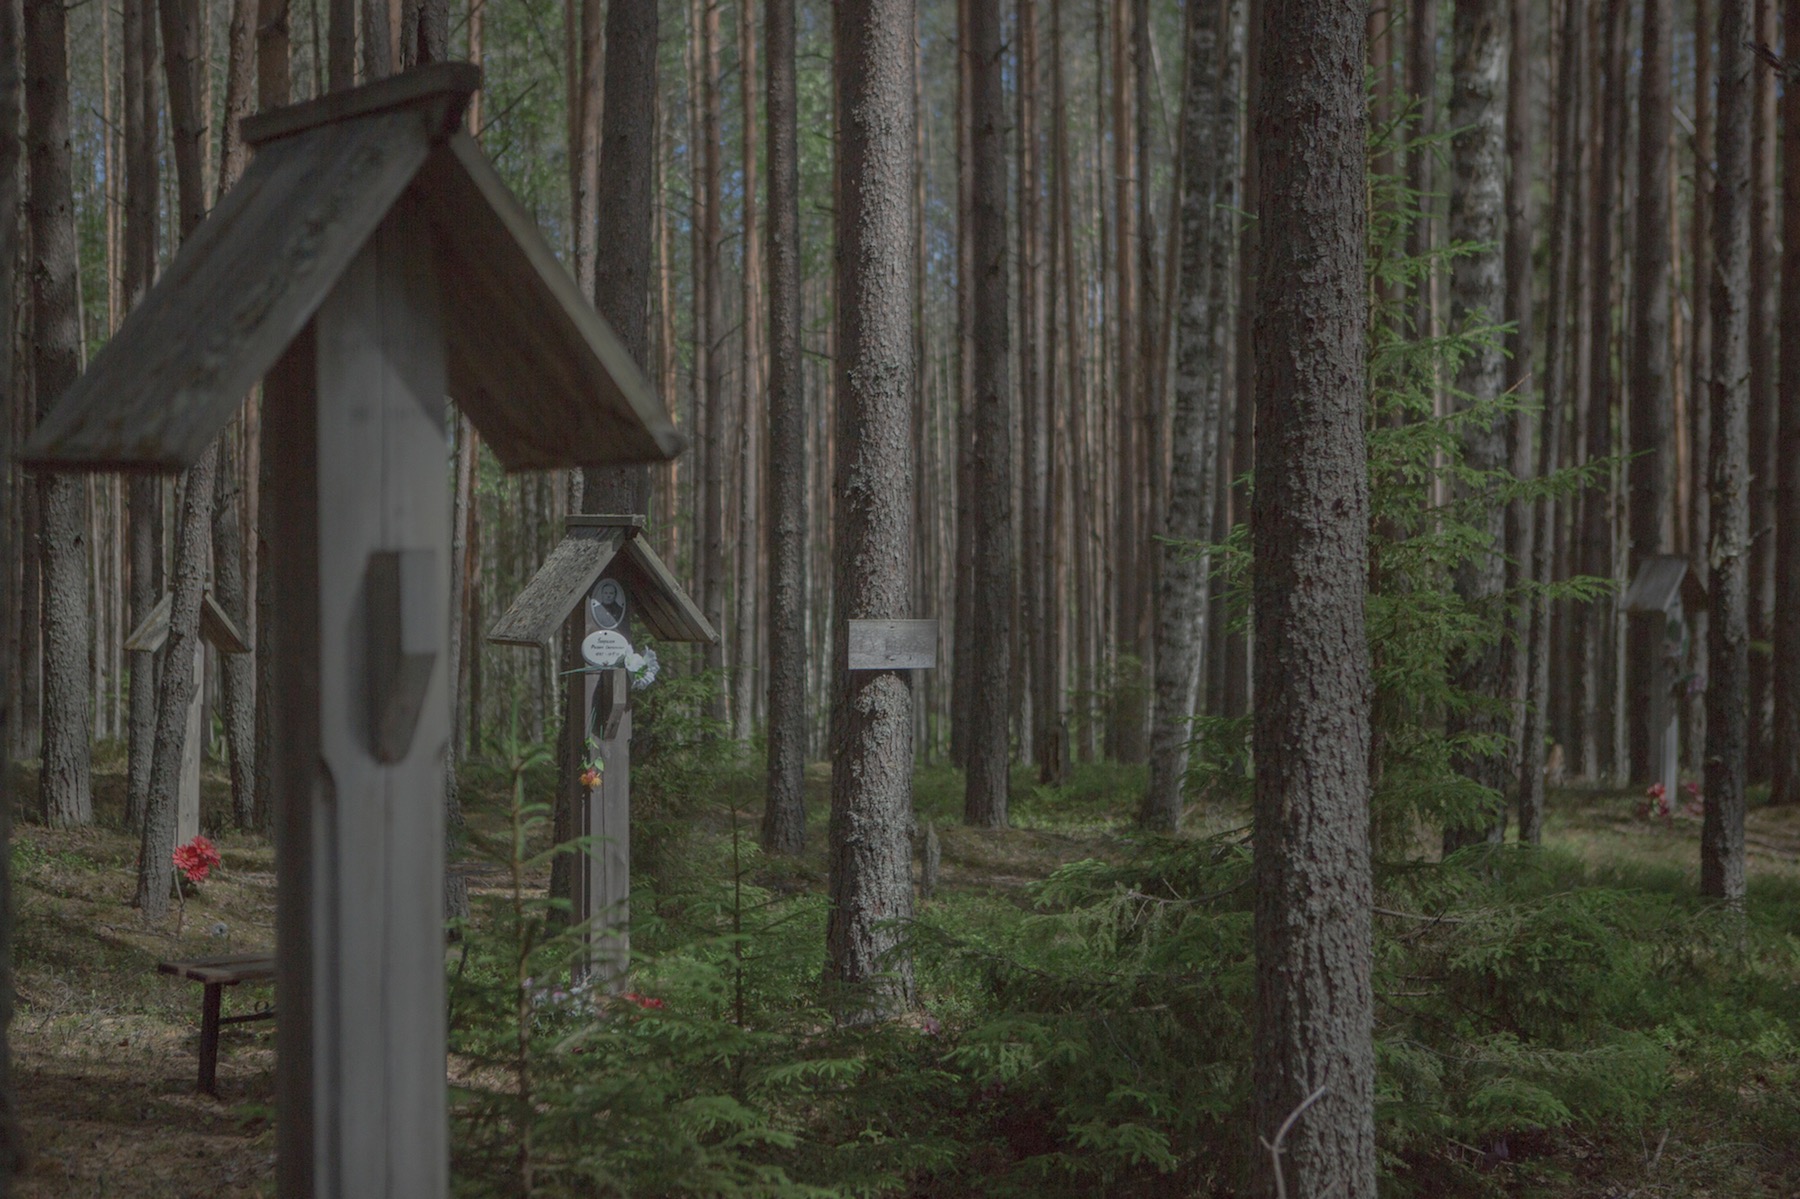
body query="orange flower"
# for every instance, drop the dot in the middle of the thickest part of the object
(590, 778)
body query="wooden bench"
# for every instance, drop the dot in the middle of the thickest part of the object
(215, 974)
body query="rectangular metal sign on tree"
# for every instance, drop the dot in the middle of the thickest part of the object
(893, 644)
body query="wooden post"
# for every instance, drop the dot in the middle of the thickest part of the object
(357, 404)
(603, 885)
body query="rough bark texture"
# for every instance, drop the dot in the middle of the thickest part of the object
(340, 50)
(1521, 345)
(237, 672)
(711, 433)
(1763, 298)
(1478, 295)
(1558, 380)
(175, 689)
(1595, 702)
(11, 93)
(1784, 740)
(65, 794)
(984, 799)
(871, 751)
(750, 394)
(1209, 170)
(144, 492)
(1314, 1010)
(1700, 366)
(1728, 649)
(273, 80)
(784, 814)
(182, 67)
(1651, 386)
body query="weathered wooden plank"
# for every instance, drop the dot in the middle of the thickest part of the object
(557, 589)
(893, 644)
(538, 371)
(217, 628)
(376, 836)
(152, 632)
(452, 83)
(406, 638)
(237, 294)
(606, 901)
(187, 791)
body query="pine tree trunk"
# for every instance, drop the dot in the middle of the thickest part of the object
(1558, 379)
(340, 44)
(984, 799)
(1700, 367)
(11, 100)
(1764, 296)
(65, 795)
(1209, 168)
(1784, 738)
(743, 634)
(144, 492)
(962, 653)
(1521, 381)
(237, 672)
(712, 434)
(871, 789)
(784, 816)
(1652, 400)
(1314, 1006)
(1727, 686)
(1478, 296)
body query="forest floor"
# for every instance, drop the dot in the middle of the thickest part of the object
(105, 1047)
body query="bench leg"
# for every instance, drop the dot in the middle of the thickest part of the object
(209, 1038)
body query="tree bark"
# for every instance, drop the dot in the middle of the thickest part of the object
(1784, 739)
(712, 432)
(871, 780)
(1558, 379)
(985, 795)
(11, 102)
(65, 793)
(1764, 295)
(1478, 297)
(1314, 1007)
(784, 813)
(144, 492)
(743, 633)
(1652, 400)
(237, 672)
(1521, 384)
(1209, 169)
(340, 45)
(1727, 687)
(1700, 365)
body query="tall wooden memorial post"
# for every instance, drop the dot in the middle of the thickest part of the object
(1665, 591)
(369, 263)
(604, 587)
(217, 630)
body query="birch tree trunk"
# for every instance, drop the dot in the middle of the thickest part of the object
(1478, 296)
(65, 794)
(1728, 650)
(1209, 169)
(871, 780)
(1314, 1003)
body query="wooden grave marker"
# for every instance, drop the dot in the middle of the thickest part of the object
(1666, 588)
(601, 586)
(369, 263)
(218, 631)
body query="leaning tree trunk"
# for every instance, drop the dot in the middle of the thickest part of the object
(871, 745)
(1478, 297)
(1313, 1045)
(1784, 740)
(1728, 648)
(1209, 169)
(64, 789)
(784, 815)
(237, 672)
(984, 798)
(1650, 386)
(143, 492)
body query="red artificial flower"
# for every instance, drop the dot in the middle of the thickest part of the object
(196, 858)
(644, 1001)
(1655, 791)
(590, 778)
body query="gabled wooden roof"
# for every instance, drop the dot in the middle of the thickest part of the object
(593, 547)
(217, 628)
(1661, 580)
(544, 380)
